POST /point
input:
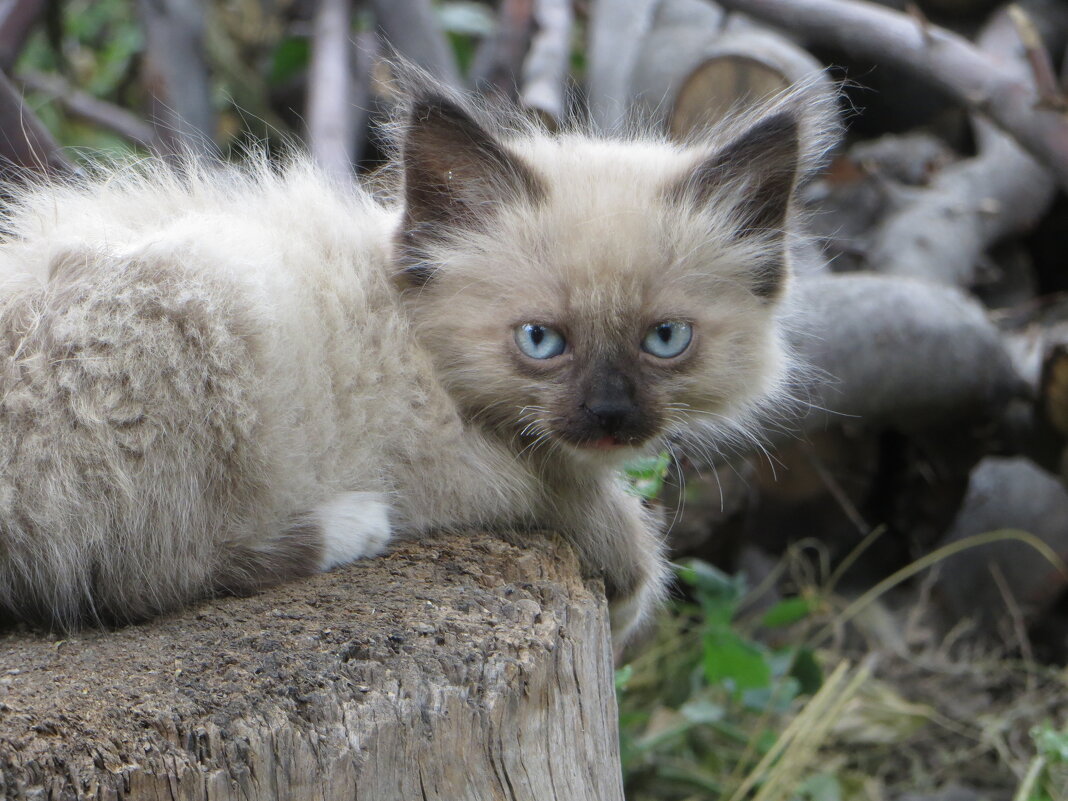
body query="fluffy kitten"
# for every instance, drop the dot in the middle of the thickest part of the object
(213, 379)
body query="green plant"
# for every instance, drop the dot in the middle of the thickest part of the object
(1047, 775)
(706, 709)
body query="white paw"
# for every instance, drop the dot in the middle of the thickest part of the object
(354, 525)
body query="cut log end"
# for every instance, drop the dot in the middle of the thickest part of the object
(718, 86)
(457, 667)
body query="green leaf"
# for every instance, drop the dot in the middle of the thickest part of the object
(291, 58)
(788, 611)
(1051, 744)
(645, 475)
(728, 657)
(807, 671)
(821, 787)
(623, 675)
(718, 593)
(701, 710)
(776, 698)
(466, 18)
(711, 580)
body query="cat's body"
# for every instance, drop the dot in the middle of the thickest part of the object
(215, 379)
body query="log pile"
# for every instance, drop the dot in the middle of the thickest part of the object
(927, 298)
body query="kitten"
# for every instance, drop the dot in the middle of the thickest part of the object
(213, 379)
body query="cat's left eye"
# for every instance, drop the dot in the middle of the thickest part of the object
(668, 340)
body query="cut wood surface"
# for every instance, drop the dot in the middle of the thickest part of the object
(461, 667)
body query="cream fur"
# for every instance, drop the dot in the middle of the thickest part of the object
(210, 381)
(354, 525)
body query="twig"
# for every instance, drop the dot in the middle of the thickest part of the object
(91, 109)
(411, 27)
(24, 141)
(176, 75)
(1038, 58)
(1015, 614)
(858, 605)
(546, 66)
(943, 58)
(838, 493)
(331, 123)
(17, 18)
(1030, 779)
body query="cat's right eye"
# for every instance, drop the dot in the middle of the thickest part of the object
(539, 341)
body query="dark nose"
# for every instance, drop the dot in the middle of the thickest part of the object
(610, 402)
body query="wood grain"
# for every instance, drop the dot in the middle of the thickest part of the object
(462, 667)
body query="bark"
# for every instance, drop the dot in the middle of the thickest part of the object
(937, 55)
(1036, 336)
(460, 667)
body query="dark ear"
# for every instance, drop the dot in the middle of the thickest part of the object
(456, 175)
(756, 173)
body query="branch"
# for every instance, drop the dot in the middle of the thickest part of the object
(930, 353)
(1007, 494)
(942, 231)
(546, 67)
(499, 57)
(17, 18)
(411, 27)
(617, 29)
(25, 143)
(866, 30)
(91, 109)
(176, 75)
(331, 122)
(1038, 59)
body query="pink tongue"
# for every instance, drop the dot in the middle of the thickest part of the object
(606, 442)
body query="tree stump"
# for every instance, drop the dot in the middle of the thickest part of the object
(458, 667)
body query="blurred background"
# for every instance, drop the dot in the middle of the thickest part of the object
(872, 601)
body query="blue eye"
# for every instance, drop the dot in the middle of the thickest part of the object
(539, 341)
(667, 340)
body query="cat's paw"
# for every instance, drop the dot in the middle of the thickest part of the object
(627, 614)
(634, 599)
(354, 525)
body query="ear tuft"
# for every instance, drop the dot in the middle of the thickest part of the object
(456, 175)
(754, 175)
(760, 165)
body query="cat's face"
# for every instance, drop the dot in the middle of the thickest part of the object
(591, 295)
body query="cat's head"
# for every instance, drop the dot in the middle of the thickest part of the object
(599, 295)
